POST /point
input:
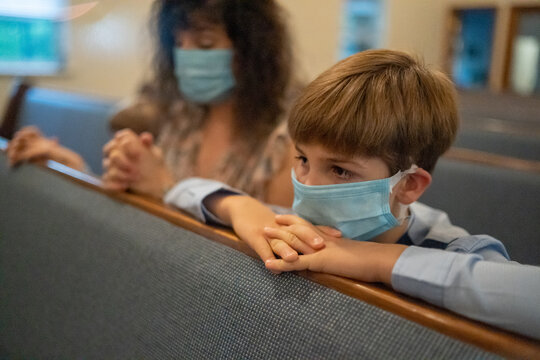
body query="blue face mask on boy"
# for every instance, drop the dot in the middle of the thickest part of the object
(360, 210)
(205, 76)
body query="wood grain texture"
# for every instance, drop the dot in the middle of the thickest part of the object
(8, 123)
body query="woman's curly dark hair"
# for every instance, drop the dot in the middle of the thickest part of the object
(262, 54)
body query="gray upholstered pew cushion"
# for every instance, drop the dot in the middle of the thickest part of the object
(84, 276)
(519, 146)
(499, 202)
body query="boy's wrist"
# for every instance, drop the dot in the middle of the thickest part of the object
(222, 205)
(167, 184)
(385, 261)
(228, 205)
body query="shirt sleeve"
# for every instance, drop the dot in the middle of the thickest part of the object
(189, 195)
(503, 294)
(486, 246)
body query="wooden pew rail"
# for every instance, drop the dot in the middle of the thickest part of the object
(481, 335)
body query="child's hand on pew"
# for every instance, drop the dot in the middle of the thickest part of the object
(299, 234)
(360, 260)
(248, 218)
(133, 162)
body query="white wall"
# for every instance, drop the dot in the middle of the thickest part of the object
(416, 26)
(315, 26)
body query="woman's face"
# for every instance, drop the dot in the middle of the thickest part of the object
(203, 35)
(203, 63)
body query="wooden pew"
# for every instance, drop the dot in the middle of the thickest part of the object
(480, 335)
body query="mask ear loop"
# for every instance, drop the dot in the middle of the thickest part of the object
(403, 214)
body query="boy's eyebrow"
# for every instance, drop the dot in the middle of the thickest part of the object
(298, 149)
(347, 161)
(335, 158)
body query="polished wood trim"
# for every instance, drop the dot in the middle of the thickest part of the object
(515, 15)
(512, 31)
(481, 335)
(13, 109)
(495, 160)
(452, 25)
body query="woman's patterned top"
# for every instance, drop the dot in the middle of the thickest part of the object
(247, 168)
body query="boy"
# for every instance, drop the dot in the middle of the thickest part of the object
(367, 133)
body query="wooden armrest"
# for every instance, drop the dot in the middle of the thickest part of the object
(8, 123)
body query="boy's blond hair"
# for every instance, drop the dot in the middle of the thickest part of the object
(379, 103)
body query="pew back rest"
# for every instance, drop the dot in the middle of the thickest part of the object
(521, 146)
(80, 122)
(491, 200)
(84, 276)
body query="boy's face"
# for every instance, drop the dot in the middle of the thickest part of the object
(316, 165)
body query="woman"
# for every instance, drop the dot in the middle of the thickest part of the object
(222, 74)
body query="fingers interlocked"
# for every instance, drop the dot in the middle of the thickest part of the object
(283, 235)
(120, 158)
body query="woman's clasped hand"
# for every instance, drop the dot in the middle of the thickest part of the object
(133, 162)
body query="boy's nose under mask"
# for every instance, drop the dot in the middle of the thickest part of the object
(360, 210)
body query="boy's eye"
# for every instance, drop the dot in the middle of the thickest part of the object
(302, 159)
(342, 173)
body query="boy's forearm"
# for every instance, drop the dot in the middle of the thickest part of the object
(223, 205)
(365, 261)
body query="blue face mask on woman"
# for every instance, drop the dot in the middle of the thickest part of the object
(360, 210)
(204, 76)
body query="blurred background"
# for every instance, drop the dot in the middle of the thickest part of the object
(104, 47)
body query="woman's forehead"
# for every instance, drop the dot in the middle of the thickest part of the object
(204, 18)
(200, 23)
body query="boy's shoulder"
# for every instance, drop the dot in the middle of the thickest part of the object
(429, 223)
(431, 228)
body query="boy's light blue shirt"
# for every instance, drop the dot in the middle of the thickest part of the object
(472, 276)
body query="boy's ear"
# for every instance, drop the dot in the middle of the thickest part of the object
(414, 186)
